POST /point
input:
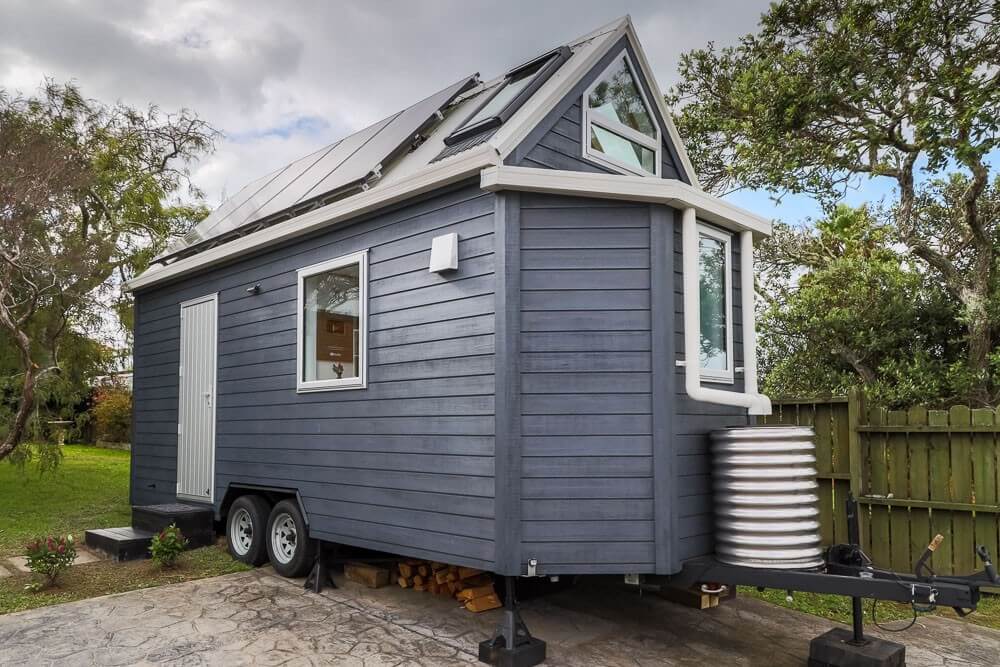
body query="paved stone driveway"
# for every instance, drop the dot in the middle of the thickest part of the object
(256, 618)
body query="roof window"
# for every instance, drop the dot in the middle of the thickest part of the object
(518, 86)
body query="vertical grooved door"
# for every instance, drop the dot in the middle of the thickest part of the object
(196, 409)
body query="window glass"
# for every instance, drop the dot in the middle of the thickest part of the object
(617, 98)
(331, 324)
(622, 149)
(712, 282)
(507, 93)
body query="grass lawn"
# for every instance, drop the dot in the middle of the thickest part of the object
(88, 490)
(890, 614)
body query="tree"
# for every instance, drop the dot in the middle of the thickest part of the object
(85, 201)
(844, 307)
(830, 91)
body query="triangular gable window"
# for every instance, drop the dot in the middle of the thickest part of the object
(619, 127)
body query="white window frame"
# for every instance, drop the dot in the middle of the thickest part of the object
(655, 145)
(710, 374)
(335, 384)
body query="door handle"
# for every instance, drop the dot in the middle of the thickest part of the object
(208, 398)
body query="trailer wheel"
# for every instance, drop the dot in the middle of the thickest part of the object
(246, 529)
(288, 544)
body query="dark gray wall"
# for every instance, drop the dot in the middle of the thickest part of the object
(694, 420)
(556, 142)
(405, 465)
(586, 394)
(614, 455)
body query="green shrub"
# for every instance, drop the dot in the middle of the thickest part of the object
(49, 556)
(167, 545)
(113, 414)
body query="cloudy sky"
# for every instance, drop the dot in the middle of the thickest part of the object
(283, 78)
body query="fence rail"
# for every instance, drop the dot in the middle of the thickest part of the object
(916, 472)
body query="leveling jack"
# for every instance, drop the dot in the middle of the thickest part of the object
(512, 645)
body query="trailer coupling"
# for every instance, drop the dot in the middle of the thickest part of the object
(850, 572)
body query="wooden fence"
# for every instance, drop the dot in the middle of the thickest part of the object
(916, 473)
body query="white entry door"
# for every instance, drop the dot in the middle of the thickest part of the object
(196, 404)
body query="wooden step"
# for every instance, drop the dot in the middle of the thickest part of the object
(196, 522)
(125, 543)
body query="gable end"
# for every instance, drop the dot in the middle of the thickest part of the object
(557, 141)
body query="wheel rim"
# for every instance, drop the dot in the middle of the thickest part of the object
(283, 538)
(241, 532)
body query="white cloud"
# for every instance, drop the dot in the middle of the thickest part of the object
(282, 79)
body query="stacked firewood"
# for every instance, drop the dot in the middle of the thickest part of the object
(472, 587)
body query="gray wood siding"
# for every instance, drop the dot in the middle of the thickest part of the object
(556, 143)
(586, 410)
(694, 420)
(406, 465)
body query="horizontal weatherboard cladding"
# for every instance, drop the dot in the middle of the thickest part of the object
(586, 405)
(407, 464)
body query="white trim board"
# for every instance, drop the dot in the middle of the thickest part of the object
(430, 178)
(630, 188)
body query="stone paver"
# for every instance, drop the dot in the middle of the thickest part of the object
(85, 555)
(4, 572)
(257, 618)
(20, 563)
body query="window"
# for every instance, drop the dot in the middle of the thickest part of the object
(619, 128)
(518, 85)
(715, 290)
(332, 324)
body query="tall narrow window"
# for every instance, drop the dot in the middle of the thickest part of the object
(715, 289)
(332, 324)
(619, 127)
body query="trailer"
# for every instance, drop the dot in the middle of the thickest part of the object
(493, 330)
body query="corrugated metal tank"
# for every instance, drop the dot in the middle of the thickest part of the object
(766, 497)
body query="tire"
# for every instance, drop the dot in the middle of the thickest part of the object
(289, 548)
(246, 529)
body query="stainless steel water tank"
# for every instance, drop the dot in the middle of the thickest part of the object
(766, 497)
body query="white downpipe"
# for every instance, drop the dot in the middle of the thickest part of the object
(756, 403)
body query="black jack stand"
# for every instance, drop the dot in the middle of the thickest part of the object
(319, 575)
(512, 645)
(842, 648)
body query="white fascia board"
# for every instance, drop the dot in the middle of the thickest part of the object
(429, 178)
(510, 135)
(674, 193)
(647, 71)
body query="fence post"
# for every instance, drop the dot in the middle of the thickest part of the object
(855, 401)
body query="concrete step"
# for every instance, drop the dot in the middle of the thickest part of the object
(196, 522)
(119, 544)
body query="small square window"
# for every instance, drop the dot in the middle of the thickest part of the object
(332, 324)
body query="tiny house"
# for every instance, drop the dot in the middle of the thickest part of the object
(493, 329)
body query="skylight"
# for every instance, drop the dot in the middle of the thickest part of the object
(518, 85)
